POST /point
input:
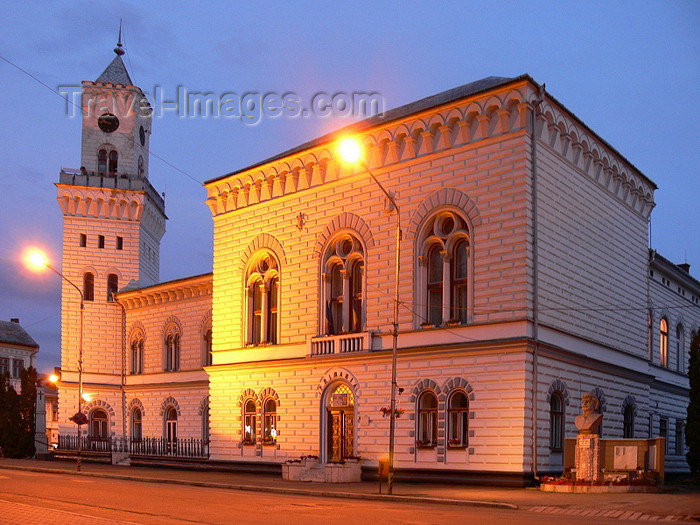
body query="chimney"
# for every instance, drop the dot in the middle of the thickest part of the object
(15, 320)
(685, 267)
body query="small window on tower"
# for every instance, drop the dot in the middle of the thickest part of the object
(83, 240)
(100, 241)
(102, 162)
(113, 156)
(120, 243)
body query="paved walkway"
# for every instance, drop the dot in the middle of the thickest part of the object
(676, 504)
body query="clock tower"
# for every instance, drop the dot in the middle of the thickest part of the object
(113, 222)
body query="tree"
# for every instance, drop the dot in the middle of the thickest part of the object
(692, 427)
(17, 415)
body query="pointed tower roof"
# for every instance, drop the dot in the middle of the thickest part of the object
(116, 72)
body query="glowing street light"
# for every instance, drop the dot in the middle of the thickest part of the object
(351, 152)
(35, 259)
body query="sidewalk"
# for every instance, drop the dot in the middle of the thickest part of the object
(675, 504)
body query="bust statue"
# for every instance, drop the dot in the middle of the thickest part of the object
(589, 420)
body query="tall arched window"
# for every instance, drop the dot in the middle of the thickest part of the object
(249, 420)
(207, 347)
(556, 422)
(141, 166)
(112, 167)
(102, 162)
(343, 280)
(435, 284)
(680, 348)
(136, 425)
(172, 349)
(628, 421)
(137, 353)
(171, 430)
(269, 421)
(262, 283)
(112, 286)
(88, 286)
(426, 432)
(458, 419)
(444, 260)
(663, 342)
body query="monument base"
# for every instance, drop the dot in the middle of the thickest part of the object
(588, 464)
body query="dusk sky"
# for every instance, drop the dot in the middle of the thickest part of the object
(629, 70)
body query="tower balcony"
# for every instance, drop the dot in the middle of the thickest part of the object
(121, 181)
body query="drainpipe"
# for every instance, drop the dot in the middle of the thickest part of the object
(535, 278)
(123, 375)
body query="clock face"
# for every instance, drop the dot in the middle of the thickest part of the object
(142, 135)
(108, 123)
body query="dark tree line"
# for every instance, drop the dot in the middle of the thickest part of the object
(17, 415)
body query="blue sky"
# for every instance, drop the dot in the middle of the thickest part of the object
(629, 70)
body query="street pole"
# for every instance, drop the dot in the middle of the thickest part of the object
(351, 151)
(395, 334)
(80, 357)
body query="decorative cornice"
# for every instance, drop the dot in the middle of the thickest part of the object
(500, 111)
(193, 287)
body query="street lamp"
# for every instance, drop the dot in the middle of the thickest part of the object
(351, 152)
(37, 260)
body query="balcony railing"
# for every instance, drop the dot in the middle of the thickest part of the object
(340, 344)
(149, 446)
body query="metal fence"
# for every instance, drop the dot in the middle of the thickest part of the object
(149, 446)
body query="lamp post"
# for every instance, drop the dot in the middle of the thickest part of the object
(351, 152)
(37, 260)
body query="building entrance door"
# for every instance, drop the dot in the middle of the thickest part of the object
(340, 410)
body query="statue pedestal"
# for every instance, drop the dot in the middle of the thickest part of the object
(588, 457)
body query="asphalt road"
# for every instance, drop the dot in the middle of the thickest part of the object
(28, 498)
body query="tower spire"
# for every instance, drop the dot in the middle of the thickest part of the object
(118, 50)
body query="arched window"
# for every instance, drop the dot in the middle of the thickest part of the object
(112, 167)
(680, 348)
(435, 284)
(171, 430)
(172, 349)
(136, 425)
(205, 424)
(140, 166)
(269, 421)
(262, 282)
(663, 342)
(99, 423)
(343, 280)
(249, 417)
(426, 432)
(102, 162)
(458, 419)
(556, 422)
(137, 353)
(628, 421)
(112, 286)
(444, 259)
(207, 347)
(88, 287)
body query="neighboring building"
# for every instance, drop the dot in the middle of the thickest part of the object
(17, 351)
(526, 280)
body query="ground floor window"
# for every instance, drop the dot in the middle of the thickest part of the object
(426, 433)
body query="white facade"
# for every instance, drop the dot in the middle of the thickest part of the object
(525, 281)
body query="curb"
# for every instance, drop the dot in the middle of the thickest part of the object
(278, 490)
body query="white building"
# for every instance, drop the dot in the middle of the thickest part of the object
(525, 280)
(18, 351)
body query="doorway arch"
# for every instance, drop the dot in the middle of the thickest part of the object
(338, 422)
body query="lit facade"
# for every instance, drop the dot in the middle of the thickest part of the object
(526, 280)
